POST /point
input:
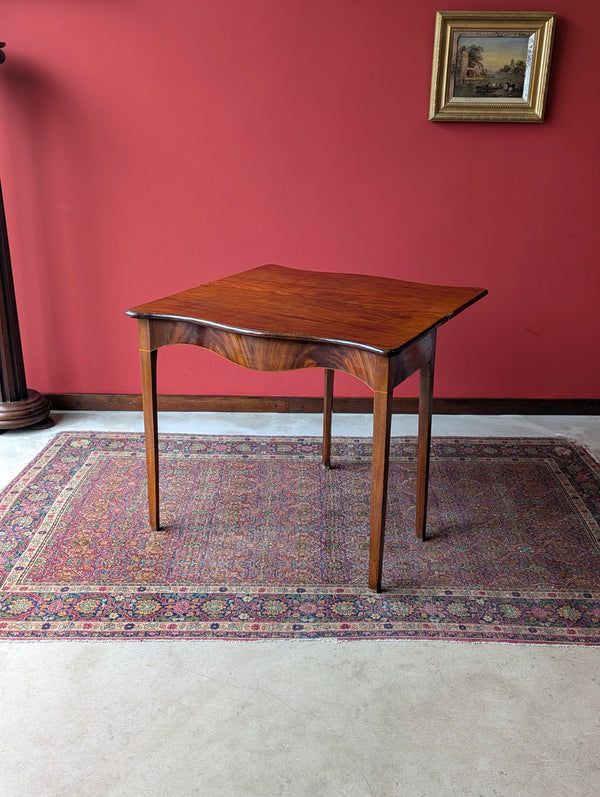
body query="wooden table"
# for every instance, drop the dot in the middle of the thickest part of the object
(274, 318)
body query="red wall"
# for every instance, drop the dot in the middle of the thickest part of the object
(148, 146)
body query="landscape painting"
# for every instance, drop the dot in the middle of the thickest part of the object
(491, 66)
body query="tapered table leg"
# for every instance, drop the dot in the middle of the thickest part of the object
(424, 443)
(382, 416)
(327, 410)
(148, 364)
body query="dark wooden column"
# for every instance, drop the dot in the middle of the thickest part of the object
(19, 406)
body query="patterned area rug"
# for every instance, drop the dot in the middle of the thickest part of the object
(259, 542)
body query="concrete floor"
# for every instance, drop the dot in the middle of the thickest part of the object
(299, 718)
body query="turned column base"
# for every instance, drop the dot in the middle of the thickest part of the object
(31, 411)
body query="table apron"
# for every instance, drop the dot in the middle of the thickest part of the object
(263, 353)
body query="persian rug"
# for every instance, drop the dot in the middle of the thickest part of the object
(260, 542)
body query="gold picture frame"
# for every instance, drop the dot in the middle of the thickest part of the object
(491, 66)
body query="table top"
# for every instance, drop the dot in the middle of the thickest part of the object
(377, 314)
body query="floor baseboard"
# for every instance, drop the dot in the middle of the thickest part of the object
(442, 406)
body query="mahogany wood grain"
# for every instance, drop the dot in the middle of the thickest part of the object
(424, 443)
(274, 318)
(327, 410)
(382, 423)
(148, 368)
(377, 314)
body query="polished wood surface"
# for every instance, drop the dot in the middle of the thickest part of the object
(372, 313)
(274, 318)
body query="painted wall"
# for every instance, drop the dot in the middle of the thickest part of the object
(148, 146)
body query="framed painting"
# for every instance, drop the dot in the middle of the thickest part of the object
(491, 66)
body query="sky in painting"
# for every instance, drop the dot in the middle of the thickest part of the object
(498, 50)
